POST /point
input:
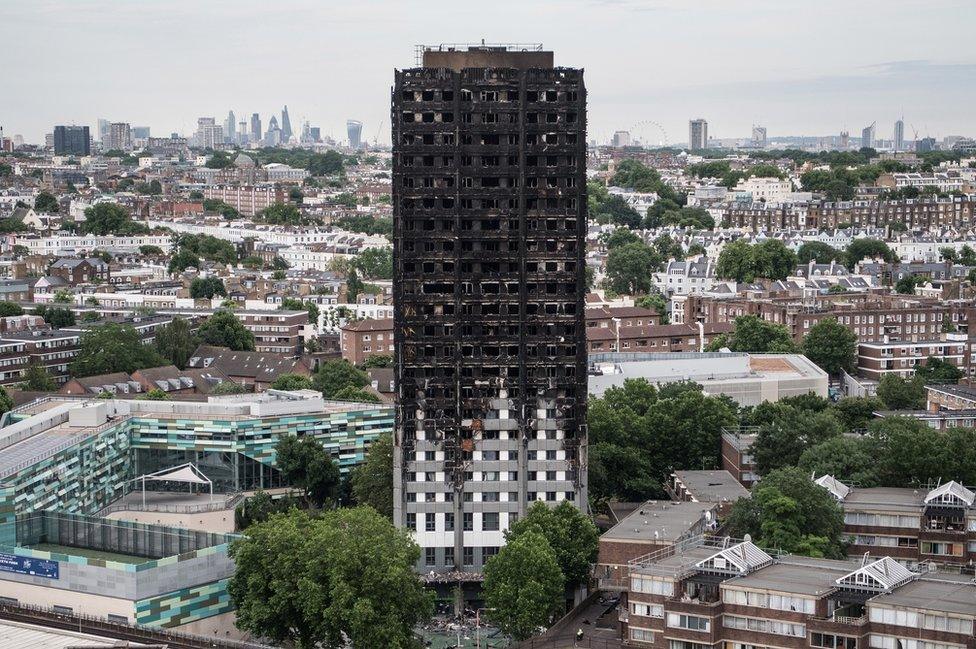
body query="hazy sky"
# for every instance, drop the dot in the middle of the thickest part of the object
(812, 66)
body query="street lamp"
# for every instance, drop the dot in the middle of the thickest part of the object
(477, 625)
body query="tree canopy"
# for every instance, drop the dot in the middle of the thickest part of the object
(629, 268)
(176, 342)
(832, 346)
(372, 481)
(523, 585)
(788, 512)
(346, 576)
(224, 329)
(336, 374)
(571, 535)
(113, 348)
(753, 334)
(305, 463)
(742, 262)
(110, 218)
(207, 287)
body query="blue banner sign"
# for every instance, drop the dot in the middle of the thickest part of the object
(29, 566)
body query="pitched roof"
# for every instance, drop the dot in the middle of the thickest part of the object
(881, 575)
(370, 324)
(838, 489)
(951, 493)
(741, 559)
(258, 366)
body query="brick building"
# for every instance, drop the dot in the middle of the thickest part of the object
(362, 339)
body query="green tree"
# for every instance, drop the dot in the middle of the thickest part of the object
(788, 512)
(350, 393)
(570, 533)
(228, 387)
(219, 160)
(771, 259)
(629, 268)
(36, 379)
(378, 360)
(849, 459)
(110, 218)
(854, 413)
(56, 316)
(620, 237)
(819, 252)
(305, 463)
(523, 585)
(780, 443)
(832, 346)
(938, 371)
(208, 247)
(291, 382)
(176, 342)
(8, 309)
(6, 403)
(906, 285)
(639, 435)
(224, 329)
(735, 262)
(156, 395)
(207, 287)
(46, 202)
(282, 214)
(867, 249)
(334, 375)
(182, 260)
(375, 263)
(372, 481)
(656, 302)
(898, 393)
(150, 250)
(196, 195)
(755, 335)
(294, 304)
(113, 348)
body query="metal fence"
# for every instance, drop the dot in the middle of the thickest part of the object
(174, 508)
(92, 625)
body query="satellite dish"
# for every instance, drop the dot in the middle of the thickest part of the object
(708, 517)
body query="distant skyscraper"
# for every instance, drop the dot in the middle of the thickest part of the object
(621, 139)
(697, 134)
(285, 125)
(900, 135)
(354, 128)
(925, 145)
(845, 140)
(230, 128)
(72, 140)
(315, 133)
(209, 135)
(140, 132)
(759, 136)
(102, 130)
(273, 136)
(242, 132)
(255, 127)
(119, 137)
(867, 136)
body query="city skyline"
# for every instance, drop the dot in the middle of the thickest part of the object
(733, 73)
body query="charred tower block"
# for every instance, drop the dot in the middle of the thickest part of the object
(489, 187)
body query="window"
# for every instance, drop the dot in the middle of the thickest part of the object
(690, 622)
(468, 522)
(647, 610)
(830, 641)
(430, 522)
(430, 556)
(651, 586)
(468, 556)
(449, 522)
(763, 625)
(411, 521)
(641, 635)
(449, 556)
(489, 521)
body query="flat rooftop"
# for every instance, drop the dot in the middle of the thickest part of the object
(712, 486)
(887, 499)
(941, 594)
(814, 577)
(459, 56)
(29, 636)
(658, 522)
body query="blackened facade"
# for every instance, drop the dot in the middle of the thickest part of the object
(489, 215)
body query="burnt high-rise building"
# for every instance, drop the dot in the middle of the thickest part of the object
(489, 188)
